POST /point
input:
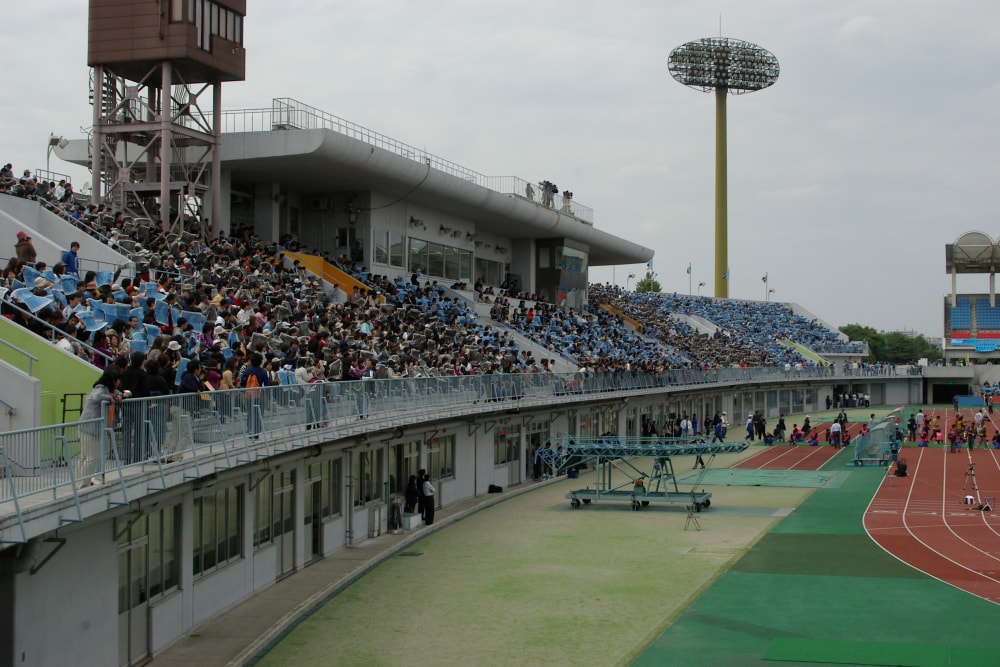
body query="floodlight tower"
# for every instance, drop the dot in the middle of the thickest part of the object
(156, 87)
(725, 66)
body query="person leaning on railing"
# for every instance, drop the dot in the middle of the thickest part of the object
(91, 458)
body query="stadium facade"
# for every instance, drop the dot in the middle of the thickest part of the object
(125, 568)
(220, 508)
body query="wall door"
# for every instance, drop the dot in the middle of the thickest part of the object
(514, 461)
(284, 522)
(133, 607)
(313, 519)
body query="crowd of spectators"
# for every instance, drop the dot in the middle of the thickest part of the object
(747, 333)
(219, 300)
(223, 300)
(592, 338)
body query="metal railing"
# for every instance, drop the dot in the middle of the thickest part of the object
(288, 114)
(52, 330)
(24, 353)
(198, 434)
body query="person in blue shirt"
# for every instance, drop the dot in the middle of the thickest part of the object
(71, 260)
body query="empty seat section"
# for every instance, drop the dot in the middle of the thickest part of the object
(987, 317)
(960, 315)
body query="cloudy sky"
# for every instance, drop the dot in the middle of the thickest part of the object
(877, 146)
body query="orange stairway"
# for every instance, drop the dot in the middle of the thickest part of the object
(617, 313)
(327, 272)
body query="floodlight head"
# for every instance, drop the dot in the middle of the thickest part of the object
(720, 63)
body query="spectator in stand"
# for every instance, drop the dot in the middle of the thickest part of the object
(254, 407)
(104, 393)
(25, 249)
(71, 260)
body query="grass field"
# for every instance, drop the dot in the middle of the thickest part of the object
(531, 581)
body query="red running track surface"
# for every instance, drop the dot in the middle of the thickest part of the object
(789, 457)
(921, 519)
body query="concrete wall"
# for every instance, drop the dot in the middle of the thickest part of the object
(21, 398)
(76, 592)
(57, 372)
(52, 235)
(67, 613)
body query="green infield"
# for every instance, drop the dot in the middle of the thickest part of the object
(531, 581)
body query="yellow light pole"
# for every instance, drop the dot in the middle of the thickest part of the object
(727, 67)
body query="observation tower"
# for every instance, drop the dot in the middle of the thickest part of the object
(726, 66)
(154, 149)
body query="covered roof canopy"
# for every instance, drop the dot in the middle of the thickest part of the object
(972, 252)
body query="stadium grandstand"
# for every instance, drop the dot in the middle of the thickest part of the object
(379, 354)
(972, 321)
(209, 392)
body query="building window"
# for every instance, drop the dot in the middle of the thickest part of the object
(441, 457)
(322, 472)
(545, 257)
(218, 529)
(404, 460)
(263, 510)
(335, 501)
(440, 261)
(571, 259)
(381, 246)
(490, 272)
(367, 480)
(210, 20)
(396, 244)
(148, 562)
(507, 445)
(589, 424)
(164, 536)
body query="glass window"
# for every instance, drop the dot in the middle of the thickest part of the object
(218, 529)
(170, 531)
(346, 236)
(381, 246)
(609, 422)
(544, 258)
(404, 460)
(490, 272)
(177, 11)
(334, 491)
(507, 444)
(418, 255)
(465, 266)
(205, 27)
(441, 457)
(452, 266)
(396, 249)
(435, 259)
(366, 476)
(571, 259)
(148, 555)
(262, 511)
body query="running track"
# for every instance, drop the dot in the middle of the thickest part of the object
(789, 457)
(921, 519)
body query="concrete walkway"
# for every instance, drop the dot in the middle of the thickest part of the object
(240, 634)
